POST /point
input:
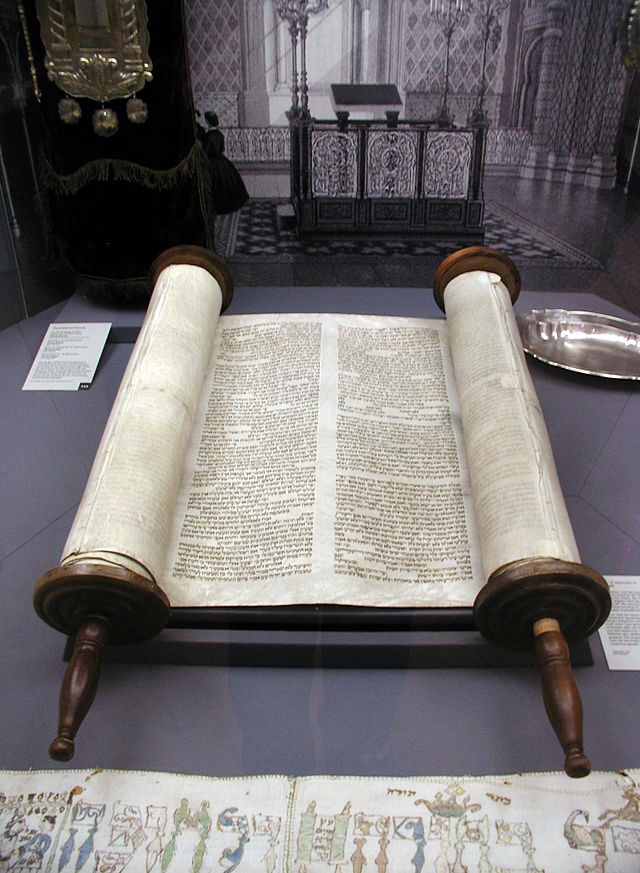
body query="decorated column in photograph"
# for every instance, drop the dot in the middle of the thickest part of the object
(536, 162)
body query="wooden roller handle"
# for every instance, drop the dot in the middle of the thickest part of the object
(79, 685)
(560, 694)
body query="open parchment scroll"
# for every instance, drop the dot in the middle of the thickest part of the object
(321, 459)
(325, 459)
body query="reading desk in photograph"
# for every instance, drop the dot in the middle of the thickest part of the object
(212, 693)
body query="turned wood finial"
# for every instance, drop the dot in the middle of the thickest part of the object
(99, 604)
(542, 603)
(560, 694)
(79, 685)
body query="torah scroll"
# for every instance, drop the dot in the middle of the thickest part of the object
(325, 459)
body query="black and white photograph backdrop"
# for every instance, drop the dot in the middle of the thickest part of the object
(369, 138)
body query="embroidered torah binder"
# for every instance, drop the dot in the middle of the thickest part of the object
(145, 822)
(326, 459)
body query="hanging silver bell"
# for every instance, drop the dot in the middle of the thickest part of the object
(137, 111)
(69, 110)
(105, 122)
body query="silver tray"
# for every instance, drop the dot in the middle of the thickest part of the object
(586, 342)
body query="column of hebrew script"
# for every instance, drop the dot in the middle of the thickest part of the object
(518, 501)
(249, 487)
(128, 504)
(403, 509)
(325, 467)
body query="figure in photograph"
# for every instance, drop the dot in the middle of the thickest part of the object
(228, 190)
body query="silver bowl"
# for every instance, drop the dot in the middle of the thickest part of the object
(586, 342)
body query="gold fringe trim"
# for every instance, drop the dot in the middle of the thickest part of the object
(194, 165)
(116, 169)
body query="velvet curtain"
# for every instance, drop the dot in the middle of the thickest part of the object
(116, 203)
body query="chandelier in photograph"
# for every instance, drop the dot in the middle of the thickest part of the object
(296, 13)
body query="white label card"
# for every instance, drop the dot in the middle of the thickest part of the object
(68, 357)
(620, 634)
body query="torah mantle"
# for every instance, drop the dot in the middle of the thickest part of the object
(363, 461)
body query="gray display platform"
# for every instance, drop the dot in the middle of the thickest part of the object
(344, 650)
(221, 719)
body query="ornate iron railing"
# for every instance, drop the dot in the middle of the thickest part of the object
(376, 176)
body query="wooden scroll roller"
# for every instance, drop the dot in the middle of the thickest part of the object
(104, 590)
(538, 595)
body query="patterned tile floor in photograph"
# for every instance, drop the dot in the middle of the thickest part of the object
(259, 237)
